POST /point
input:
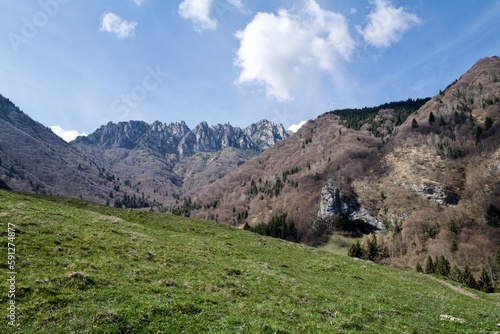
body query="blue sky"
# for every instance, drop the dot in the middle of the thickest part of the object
(79, 64)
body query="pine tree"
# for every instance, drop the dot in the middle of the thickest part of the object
(492, 216)
(429, 266)
(372, 247)
(442, 123)
(479, 132)
(484, 282)
(442, 266)
(456, 273)
(488, 123)
(454, 246)
(292, 232)
(432, 118)
(414, 124)
(467, 278)
(355, 250)
(419, 268)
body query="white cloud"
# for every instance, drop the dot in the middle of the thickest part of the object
(276, 50)
(138, 2)
(296, 127)
(198, 11)
(66, 135)
(387, 24)
(113, 23)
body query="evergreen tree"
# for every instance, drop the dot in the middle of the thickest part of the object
(442, 266)
(442, 123)
(456, 273)
(454, 246)
(419, 268)
(488, 123)
(414, 124)
(372, 247)
(467, 278)
(432, 118)
(484, 283)
(493, 216)
(479, 132)
(292, 232)
(355, 250)
(429, 266)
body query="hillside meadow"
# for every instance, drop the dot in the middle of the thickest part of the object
(86, 268)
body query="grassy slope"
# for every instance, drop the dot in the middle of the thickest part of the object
(89, 268)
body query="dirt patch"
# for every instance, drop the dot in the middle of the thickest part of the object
(455, 288)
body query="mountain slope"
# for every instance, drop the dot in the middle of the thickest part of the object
(453, 154)
(430, 181)
(86, 267)
(33, 158)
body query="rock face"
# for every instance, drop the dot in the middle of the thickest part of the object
(435, 192)
(332, 205)
(265, 133)
(178, 139)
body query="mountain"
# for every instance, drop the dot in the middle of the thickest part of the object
(128, 164)
(178, 139)
(428, 178)
(165, 162)
(423, 174)
(85, 267)
(34, 159)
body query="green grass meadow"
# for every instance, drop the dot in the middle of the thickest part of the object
(87, 268)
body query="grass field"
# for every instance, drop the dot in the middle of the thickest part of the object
(86, 268)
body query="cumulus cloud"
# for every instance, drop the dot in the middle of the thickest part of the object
(66, 135)
(275, 49)
(114, 24)
(198, 11)
(296, 127)
(387, 24)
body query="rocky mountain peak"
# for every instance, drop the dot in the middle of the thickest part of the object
(266, 133)
(178, 138)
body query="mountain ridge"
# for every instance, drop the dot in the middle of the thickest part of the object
(178, 138)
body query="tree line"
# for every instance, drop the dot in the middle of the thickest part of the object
(278, 227)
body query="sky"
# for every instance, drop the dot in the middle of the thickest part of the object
(76, 65)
